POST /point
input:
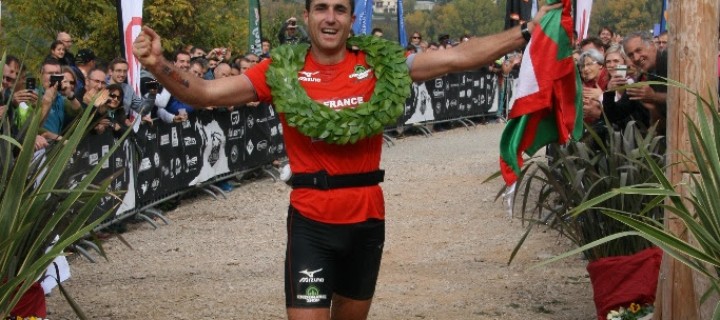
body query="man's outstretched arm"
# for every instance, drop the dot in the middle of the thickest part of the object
(473, 54)
(228, 91)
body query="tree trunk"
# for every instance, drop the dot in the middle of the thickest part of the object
(692, 60)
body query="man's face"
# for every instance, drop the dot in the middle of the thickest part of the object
(47, 70)
(183, 61)
(265, 47)
(96, 80)
(222, 71)
(197, 70)
(212, 64)
(605, 36)
(66, 40)
(244, 66)
(329, 23)
(10, 73)
(663, 41)
(198, 53)
(641, 54)
(252, 58)
(118, 74)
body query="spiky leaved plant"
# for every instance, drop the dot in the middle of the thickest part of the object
(37, 203)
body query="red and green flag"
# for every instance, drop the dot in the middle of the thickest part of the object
(548, 100)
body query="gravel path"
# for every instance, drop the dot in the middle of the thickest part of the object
(446, 250)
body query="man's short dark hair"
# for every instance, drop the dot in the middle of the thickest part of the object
(10, 59)
(117, 61)
(352, 6)
(50, 61)
(179, 52)
(612, 33)
(592, 40)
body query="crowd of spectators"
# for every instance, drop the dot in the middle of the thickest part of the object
(608, 62)
(605, 63)
(68, 83)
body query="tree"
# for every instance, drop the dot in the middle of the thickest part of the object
(625, 16)
(30, 26)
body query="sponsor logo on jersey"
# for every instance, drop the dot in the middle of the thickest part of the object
(307, 76)
(344, 103)
(360, 72)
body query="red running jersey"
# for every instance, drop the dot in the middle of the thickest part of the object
(343, 85)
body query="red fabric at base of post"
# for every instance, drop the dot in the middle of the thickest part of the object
(31, 304)
(619, 281)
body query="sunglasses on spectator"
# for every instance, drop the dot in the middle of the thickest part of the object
(416, 37)
(114, 96)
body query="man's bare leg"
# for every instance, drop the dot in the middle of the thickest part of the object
(308, 313)
(342, 309)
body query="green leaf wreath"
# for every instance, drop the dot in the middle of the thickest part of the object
(347, 125)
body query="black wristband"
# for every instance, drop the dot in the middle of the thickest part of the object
(525, 32)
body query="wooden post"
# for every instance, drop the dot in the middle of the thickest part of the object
(692, 60)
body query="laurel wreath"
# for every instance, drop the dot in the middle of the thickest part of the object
(347, 125)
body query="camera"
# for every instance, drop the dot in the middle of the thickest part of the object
(152, 85)
(56, 79)
(30, 83)
(293, 23)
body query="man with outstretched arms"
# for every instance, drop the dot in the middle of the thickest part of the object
(336, 215)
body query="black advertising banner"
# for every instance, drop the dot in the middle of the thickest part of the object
(260, 124)
(170, 159)
(235, 144)
(190, 139)
(212, 159)
(453, 96)
(147, 162)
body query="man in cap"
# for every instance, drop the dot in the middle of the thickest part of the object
(292, 33)
(84, 62)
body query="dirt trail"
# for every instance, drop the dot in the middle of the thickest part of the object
(446, 250)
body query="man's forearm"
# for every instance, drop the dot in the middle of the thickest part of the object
(179, 83)
(468, 55)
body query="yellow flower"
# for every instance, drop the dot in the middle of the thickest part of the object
(634, 307)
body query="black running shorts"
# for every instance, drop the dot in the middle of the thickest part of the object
(322, 259)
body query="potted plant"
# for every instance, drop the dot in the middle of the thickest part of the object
(553, 186)
(698, 208)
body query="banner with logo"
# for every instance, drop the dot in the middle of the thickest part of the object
(453, 96)
(363, 17)
(402, 35)
(582, 18)
(130, 23)
(255, 35)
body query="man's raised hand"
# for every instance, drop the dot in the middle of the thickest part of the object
(147, 48)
